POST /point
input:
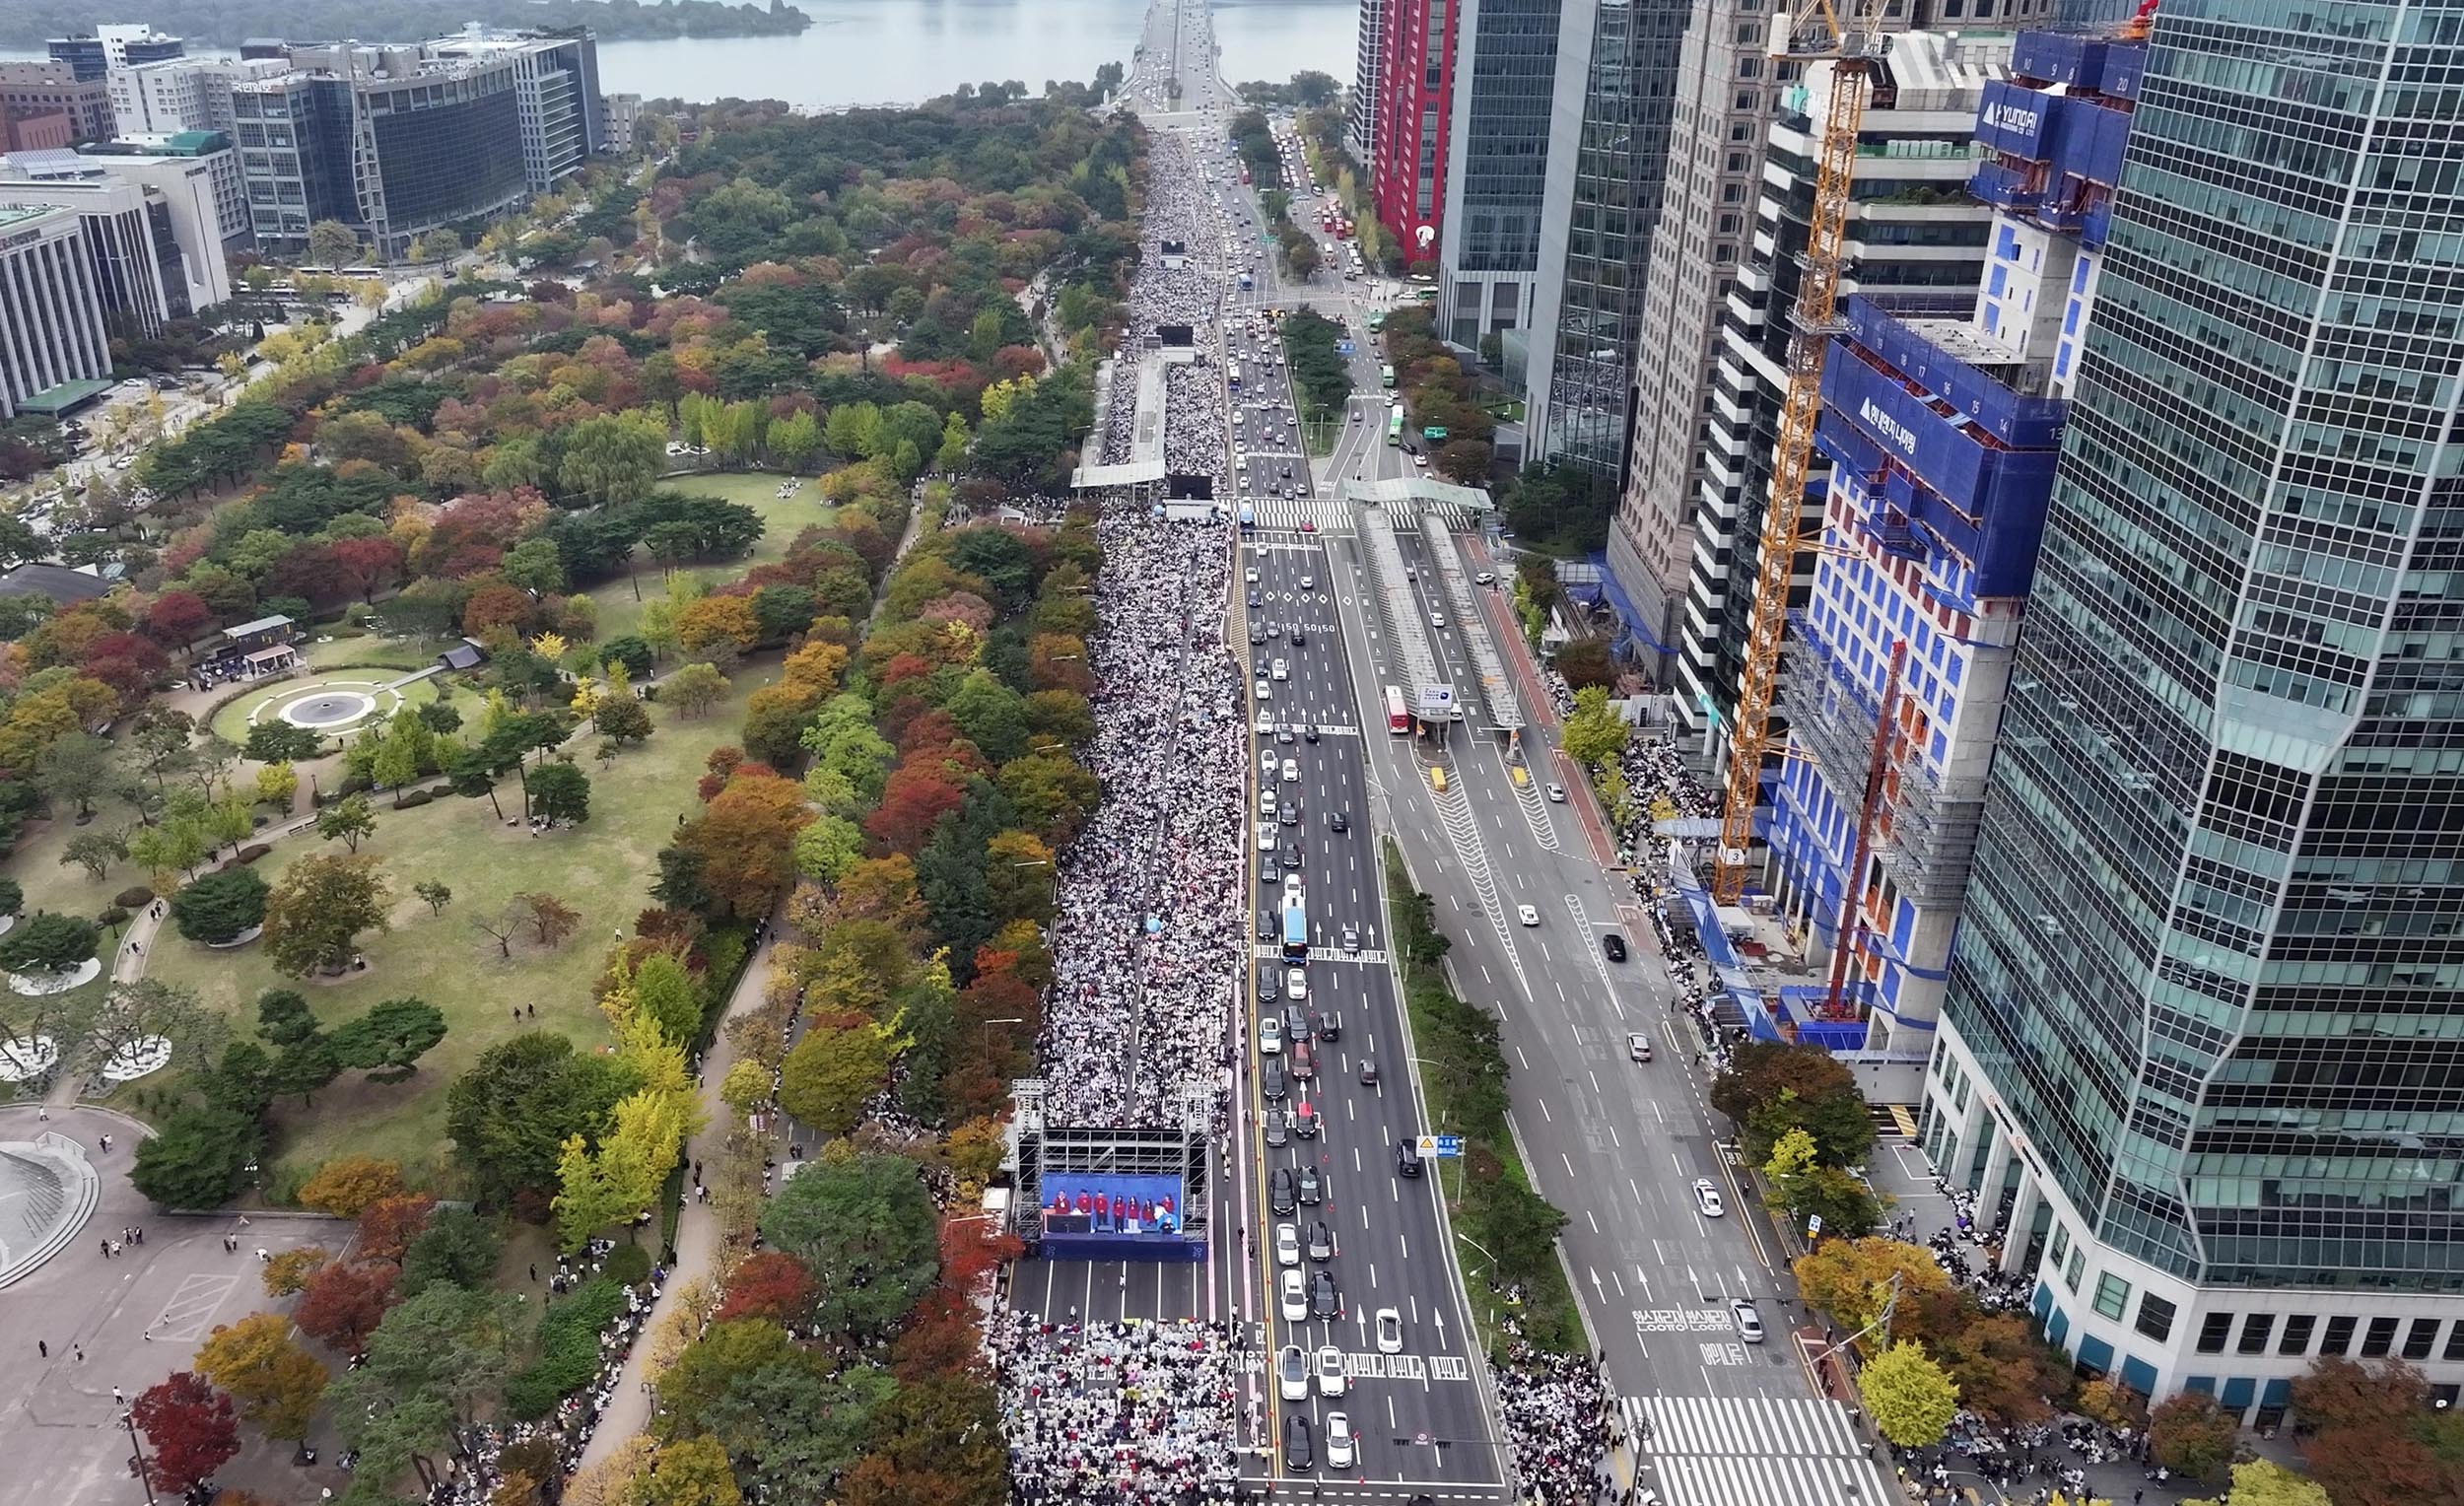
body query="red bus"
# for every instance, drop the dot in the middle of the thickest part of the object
(1397, 720)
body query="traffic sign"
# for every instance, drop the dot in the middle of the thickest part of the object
(1813, 1224)
(1441, 1144)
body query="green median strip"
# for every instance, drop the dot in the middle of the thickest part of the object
(1505, 1233)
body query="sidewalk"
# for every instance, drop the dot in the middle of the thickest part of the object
(629, 1408)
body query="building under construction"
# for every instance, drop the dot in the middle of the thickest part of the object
(1939, 435)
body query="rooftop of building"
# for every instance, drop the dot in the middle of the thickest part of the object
(16, 216)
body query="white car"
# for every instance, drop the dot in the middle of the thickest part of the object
(1295, 1298)
(1251, 577)
(1265, 801)
(1332, 1380)
(1295, 984)
(1287, 1244)
(1749, 1321)
(1291, 771)
(1557, 793)
(1265, 762)
(1266, 690)
(1292, 1373)
(1270, 1036)
(1309, 582)
(1339, 1444)
(1528, 914)
(1389, 1325)
(1283, 671)
(1437, 619)
(1708, 1197)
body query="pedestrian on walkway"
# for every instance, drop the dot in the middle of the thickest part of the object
(119, 1398)
(43, 1346)
(79, 1351)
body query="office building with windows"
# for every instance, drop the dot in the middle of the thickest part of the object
(51, 312)
(115, 46)
(1915, 243)
(2197, 1058)
(1497, 142)
(396, 140)
(1368, 61)
(1617, 78)
(1407, 170)
(189, 180)
(43, 103)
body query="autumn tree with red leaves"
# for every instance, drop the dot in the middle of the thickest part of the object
(771, 1285)
(191, 1427)
(345, 1301)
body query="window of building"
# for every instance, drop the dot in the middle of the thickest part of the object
(2339, 1336)
(2419, 1336)
(2155, 1317)
(2380, 1339)
(2112, 1295)
(2078, 1268)
(2254, 1331)
(2061, 1245)
(2214, 1329)
(2455, 1342)
(2296, 1333)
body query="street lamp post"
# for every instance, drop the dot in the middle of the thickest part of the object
(137, 1455)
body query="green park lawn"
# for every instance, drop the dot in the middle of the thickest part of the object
(619, 613)
(603, 870)
(362, 670)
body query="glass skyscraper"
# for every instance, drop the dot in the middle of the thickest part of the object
(2203, 1056)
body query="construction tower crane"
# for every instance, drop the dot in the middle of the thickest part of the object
(1848, 34)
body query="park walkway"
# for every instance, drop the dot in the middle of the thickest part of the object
(629, 1408)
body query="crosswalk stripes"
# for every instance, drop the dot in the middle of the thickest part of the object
(1335, 515)
(1751, 1451)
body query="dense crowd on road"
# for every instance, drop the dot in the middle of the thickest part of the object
(1555, 1423)
(1179, 211)
(1119, 1412)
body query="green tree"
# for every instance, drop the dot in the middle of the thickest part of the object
(664, 990)
(694, 689)
(195, 1161)
(827, 849)
(864, 1226)
(276, 741)
(613, 458)
(319, 908)
(1595, 734)
(458, 1248)
(433, 893)
(560, 792)
(389, 1039)
(510, 1112)
(332, 243)
(220, 906)
(348, 821)
(302, 1066)
(95, 852)
(833, 1072)
(1909, 1397)
(74, 770)
(45, 942)
(792, 440)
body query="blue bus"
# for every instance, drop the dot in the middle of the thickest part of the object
(1296, 930)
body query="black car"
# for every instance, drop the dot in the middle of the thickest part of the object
(1257, 633)
(1310, 733)
(1271, 872)
(1329, 1026)
(1279, 1191)
(1312, 1186)
(1299, 635)
(1266, 927)
(1325, 1301)
(1270, 1081)
(1300, 1449)
(1279, 1127)
(1406, 1158)
(1256, 601)
(1336, 820)
(1615, 945)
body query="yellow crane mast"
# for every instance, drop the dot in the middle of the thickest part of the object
(1848, 36)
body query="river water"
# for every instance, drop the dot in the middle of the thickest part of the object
(904, 51)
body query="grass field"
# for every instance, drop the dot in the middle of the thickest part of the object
(603, 869)
(618, 611)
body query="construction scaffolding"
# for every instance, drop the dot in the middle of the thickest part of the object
(1929, 840)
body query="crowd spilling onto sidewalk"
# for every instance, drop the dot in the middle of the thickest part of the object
(1132, 1413)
